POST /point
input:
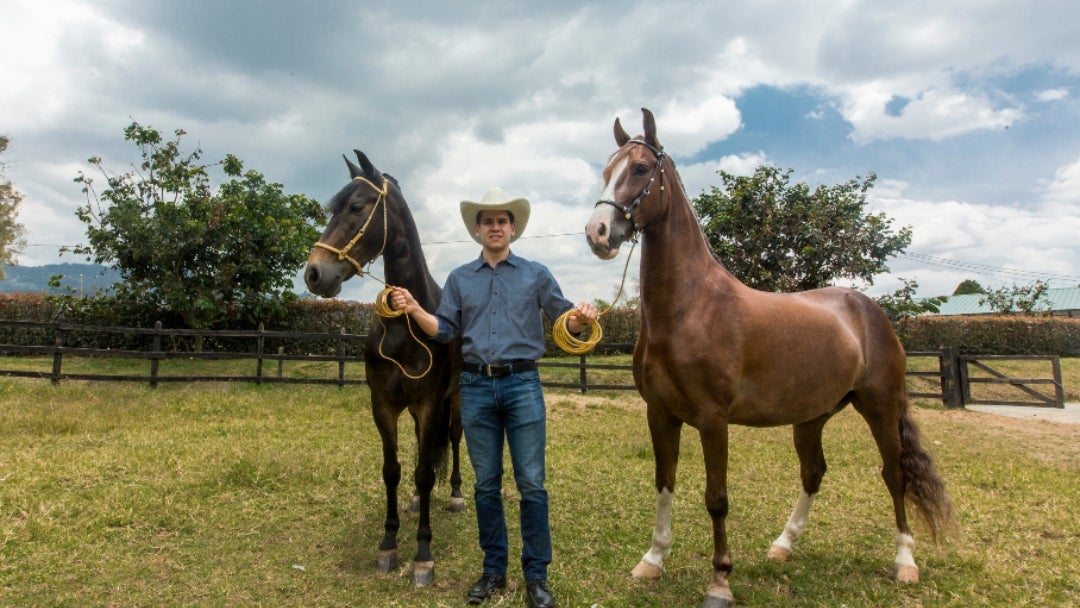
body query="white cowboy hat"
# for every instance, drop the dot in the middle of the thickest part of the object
(495, 200)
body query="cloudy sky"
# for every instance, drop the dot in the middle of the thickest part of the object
(968, 111)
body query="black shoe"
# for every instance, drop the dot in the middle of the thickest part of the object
(538, 595)
(486, 587)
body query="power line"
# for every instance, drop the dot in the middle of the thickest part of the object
(998, 271)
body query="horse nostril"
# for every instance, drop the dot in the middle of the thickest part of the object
(311, 277)
(602, 230)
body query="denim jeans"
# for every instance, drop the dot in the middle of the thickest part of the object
(510, 406)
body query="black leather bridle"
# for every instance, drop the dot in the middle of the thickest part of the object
(628, 210)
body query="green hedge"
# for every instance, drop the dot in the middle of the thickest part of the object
(982, 335)
(997, 335)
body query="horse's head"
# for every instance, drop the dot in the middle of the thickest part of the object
(357, 231)
(628, 203)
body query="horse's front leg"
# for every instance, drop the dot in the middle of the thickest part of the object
(714, 442)
(665, 431)
(386, 420)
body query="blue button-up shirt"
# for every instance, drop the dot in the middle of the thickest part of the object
(496, 311)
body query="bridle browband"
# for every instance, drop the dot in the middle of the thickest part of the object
(628, 210)
(343, 253)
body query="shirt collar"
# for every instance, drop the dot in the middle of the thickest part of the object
(512, 259)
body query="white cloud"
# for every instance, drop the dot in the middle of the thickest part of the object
(1052, 94)
(932, 114)
(454, 99)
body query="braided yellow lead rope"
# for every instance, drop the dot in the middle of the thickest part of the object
(573, 345)
(383, 309)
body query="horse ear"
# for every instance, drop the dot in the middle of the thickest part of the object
(370, 171)
(620, 134)
(354, 171)
(650, 128)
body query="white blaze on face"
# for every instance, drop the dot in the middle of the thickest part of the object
(598, 230)
(609, 187)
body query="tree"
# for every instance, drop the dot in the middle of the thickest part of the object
(902, 303)
(1024, 300)
(210, 258)
(779, 237)
(12, 233)
(968, 287)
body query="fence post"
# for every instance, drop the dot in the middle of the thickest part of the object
(341, 357)
(58, 355)
(584, 379)
(1059, 390)
(155, 345)
(280, 361)
(951, 379)
(259, 343)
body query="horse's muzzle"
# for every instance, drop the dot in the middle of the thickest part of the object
(322, 280)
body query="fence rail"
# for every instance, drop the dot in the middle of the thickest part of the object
(951, 375)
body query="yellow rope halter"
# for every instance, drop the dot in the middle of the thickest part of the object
(382, 306)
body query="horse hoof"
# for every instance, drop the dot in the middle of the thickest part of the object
(907, 575)
(778, 553)
(645, 570)
(717, 596)
(423, 573)
(717, 602)
(457, 504)
(387, 560)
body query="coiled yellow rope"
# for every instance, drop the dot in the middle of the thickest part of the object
(570, 343)
(384, 309)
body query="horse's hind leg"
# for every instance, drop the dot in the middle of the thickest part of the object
(423, 569)
(457, 500)
(812, 467)
(884, 425)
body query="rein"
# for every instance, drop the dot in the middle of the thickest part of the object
(382, 307)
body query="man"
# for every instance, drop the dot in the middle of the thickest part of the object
(494, 303)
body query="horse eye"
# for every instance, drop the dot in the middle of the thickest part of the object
(356, 207)
(641, 169)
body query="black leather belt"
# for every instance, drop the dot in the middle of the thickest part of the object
(500, 369)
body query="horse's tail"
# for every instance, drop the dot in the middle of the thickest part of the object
(924, 488)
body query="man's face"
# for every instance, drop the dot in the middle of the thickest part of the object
(495, 229)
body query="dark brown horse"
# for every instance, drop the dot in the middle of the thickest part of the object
(713, 352)
(371, 218)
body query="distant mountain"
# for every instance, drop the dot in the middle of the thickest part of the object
(80, 278)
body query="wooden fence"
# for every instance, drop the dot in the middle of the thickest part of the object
(952, 372)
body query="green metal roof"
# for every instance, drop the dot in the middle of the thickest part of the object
(1060, 299)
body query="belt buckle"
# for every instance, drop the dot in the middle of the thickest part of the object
(488, 371)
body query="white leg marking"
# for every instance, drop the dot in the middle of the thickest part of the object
(793, 529)
(651, 566)
(906, 570)
(661, 536)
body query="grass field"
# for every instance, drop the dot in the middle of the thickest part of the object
(218, 494)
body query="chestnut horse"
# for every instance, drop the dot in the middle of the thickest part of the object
(371, 218)
(713, 352)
